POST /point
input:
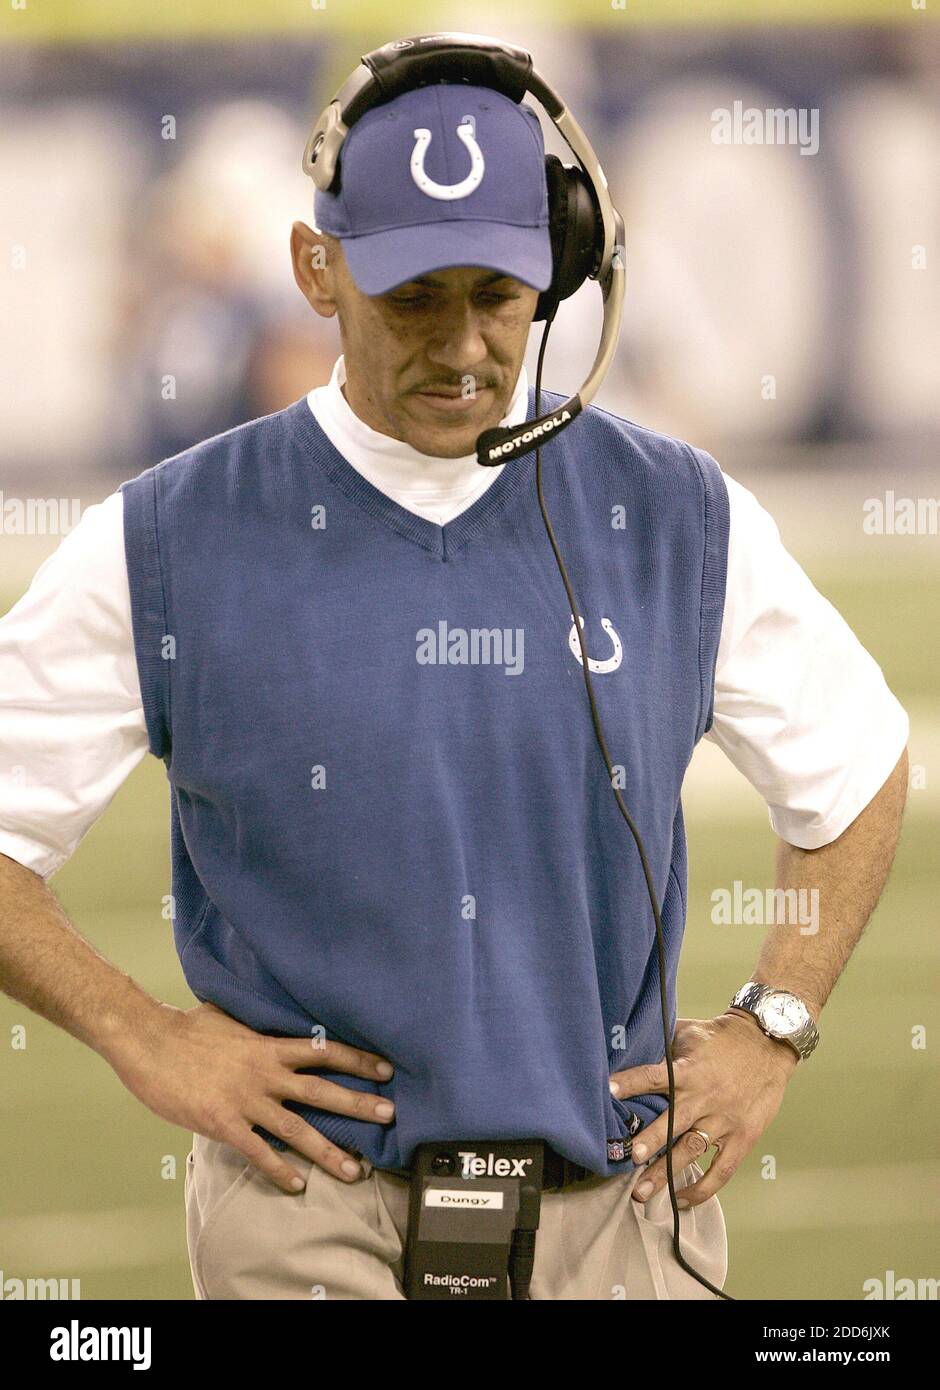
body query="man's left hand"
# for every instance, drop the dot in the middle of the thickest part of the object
(729, 1079)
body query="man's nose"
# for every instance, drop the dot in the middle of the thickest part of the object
(458, 341)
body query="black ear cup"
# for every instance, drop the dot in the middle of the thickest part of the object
(576, 230)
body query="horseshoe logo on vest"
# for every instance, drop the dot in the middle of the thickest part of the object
(467, 133)
(601, 667)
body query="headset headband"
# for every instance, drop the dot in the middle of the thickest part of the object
(477, 60)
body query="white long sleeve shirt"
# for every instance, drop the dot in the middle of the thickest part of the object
(801, 709)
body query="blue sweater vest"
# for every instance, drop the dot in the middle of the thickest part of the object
(390, 821)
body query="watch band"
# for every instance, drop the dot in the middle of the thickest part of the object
(751, 995)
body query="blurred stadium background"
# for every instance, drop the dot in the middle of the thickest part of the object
(151, 161)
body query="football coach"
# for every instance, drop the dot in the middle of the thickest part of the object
(402, 890)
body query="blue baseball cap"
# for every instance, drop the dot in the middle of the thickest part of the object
(444, 175)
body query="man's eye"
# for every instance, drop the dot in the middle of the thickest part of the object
(413, 301)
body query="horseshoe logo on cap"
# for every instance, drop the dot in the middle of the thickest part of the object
(466, 131)
(602, 667)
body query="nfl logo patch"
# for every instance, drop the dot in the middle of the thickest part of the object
(620, 1149)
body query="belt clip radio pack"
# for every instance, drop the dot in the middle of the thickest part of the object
(472, 1218)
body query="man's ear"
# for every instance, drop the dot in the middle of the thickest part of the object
(310, 253)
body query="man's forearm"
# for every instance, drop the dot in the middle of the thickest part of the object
(849, 875)
(48, 966)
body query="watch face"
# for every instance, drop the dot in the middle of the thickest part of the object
(782, 1014)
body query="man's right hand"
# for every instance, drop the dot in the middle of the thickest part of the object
(202, 1069)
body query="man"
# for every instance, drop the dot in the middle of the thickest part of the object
(402, 888)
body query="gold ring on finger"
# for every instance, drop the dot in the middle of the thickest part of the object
(703, 1136)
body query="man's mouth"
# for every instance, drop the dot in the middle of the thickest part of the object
(445, 400)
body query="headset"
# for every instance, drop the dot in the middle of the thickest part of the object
(587, 238)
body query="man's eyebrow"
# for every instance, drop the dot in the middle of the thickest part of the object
(431, 283)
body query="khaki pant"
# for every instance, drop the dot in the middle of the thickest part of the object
(249, 1240)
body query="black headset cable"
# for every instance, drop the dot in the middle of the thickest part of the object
(602, 743)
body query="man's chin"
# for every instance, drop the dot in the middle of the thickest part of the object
(445, 445)
(453, 434)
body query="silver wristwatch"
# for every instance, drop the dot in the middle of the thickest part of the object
(780, 1014)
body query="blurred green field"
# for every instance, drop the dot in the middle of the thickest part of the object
(71, 21)
(855, 1146)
